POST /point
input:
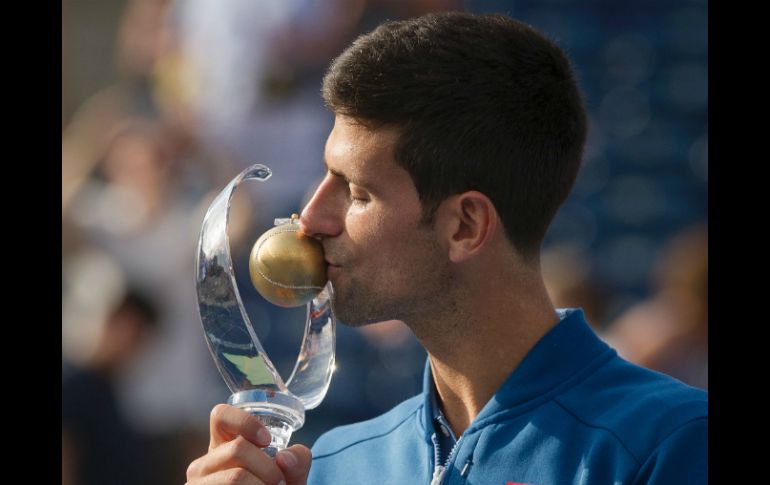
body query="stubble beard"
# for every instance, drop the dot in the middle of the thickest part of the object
(365, 302)
(351, 308)
(416, 301)
(355, 303)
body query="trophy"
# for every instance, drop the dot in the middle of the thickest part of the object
(289, 270)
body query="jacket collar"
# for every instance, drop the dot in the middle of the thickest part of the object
(562, 353)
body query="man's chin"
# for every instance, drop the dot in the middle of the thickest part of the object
(350, 316)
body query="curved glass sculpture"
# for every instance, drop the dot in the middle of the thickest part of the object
(251, 376)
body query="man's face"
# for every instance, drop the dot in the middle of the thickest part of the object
(384, 263)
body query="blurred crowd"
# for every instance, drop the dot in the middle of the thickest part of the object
(200, 91)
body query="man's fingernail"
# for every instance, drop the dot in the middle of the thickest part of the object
(263, 437)
(288, 458)
(281, 483)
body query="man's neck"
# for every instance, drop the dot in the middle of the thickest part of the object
(470, 359)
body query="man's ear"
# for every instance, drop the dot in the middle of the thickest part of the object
(468, 223)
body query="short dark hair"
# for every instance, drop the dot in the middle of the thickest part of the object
(483, 102)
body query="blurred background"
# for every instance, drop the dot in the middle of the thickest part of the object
(164, 101)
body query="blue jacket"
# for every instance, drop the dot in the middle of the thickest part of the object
(572, 412)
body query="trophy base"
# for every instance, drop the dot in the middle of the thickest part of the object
(280, 412)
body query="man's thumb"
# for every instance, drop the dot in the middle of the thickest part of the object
(294, 462)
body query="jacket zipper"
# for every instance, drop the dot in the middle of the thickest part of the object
(439, 471)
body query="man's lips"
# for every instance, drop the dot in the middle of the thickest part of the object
(331, 257)
(331, 268)
(333, 261)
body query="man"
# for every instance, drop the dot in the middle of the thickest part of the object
(456, 139)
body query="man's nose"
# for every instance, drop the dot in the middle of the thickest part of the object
(323, 216)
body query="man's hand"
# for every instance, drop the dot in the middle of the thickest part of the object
(235, 455)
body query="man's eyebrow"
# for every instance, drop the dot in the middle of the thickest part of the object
(336, 173)
(339, 174)
(346, 179)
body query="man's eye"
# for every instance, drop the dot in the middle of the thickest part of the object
(355, 194)
(357, 198)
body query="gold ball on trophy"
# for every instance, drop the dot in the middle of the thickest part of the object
(287, 267)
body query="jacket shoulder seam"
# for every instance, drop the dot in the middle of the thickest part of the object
(596, 426)
(371, 437)
(669, 435)
(618, 439)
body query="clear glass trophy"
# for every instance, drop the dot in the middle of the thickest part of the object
(256, 385)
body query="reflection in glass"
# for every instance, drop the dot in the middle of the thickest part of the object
(251, 376)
